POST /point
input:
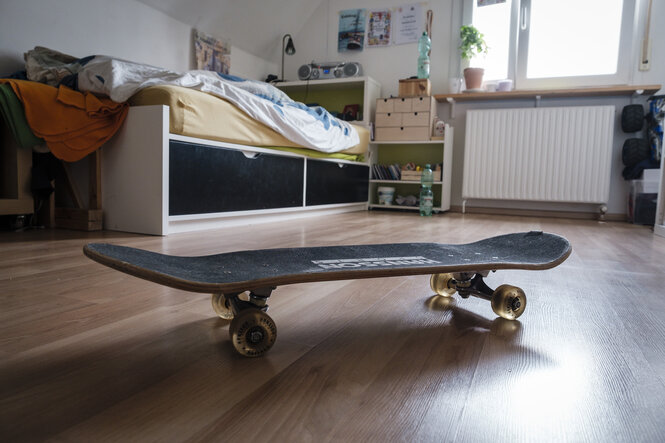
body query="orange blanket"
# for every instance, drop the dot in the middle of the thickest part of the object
(72, 123)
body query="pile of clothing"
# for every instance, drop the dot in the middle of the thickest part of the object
(41, 106)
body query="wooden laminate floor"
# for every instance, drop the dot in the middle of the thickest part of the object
(89, 354)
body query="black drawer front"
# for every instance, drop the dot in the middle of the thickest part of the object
(204, 179)
(330, 183)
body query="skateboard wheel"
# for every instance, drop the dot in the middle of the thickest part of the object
(221, 306)
(508, 302)
(252, 332)
(439, 284)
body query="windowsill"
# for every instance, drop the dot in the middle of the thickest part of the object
(550, 93)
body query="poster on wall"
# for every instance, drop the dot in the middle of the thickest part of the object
(212, 54)
(408, 24)
(379, 23)
(351, 35)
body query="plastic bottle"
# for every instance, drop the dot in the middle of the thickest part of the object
(424, 45)
(426, 195)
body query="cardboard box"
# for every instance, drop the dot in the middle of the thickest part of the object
(414, 87)
(651, 175)
(642, 201)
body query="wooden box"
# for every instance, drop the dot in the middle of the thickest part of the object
(403, 133)
(415, 175)
(79, 219)
(404, 118)
(414, 87)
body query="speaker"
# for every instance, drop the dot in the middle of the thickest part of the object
(319, 71)
(352, 69)
(304, 72)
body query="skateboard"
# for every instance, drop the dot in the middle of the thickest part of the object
(241, 282)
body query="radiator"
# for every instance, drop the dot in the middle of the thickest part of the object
(558, 154)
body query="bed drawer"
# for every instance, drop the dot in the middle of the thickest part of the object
(205, 179)
(331, 182)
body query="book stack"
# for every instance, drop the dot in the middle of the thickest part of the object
(407, 172)
(386, 172)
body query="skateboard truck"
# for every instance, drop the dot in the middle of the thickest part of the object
(252, 331)
(507, 301)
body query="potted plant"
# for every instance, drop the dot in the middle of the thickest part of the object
(473, 42)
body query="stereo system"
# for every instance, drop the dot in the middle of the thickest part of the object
(327, 70)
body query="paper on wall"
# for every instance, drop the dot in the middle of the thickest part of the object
(379, 26)
(408, 23)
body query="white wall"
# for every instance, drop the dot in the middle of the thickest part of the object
(655, 75)
(120, 28)
(317, 40)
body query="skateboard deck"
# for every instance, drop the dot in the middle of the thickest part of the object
(453, 268)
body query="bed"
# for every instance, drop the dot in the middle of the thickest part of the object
(187, 160)
(194, 150)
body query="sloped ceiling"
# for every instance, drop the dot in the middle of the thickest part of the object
(255, 26)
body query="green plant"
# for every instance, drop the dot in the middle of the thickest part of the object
(473, 42)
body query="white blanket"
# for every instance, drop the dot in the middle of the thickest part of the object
(313, 128)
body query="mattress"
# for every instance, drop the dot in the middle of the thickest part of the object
(198, 114)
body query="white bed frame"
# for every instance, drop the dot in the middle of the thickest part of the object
(135, 182)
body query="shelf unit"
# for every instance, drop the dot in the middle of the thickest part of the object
(334, 94)
(419, 152)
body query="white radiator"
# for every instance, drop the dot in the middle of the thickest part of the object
(560, 154)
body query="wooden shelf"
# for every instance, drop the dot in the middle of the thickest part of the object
(406, 142)
(405, 182)
(410, 208)
(337, 83)
(550, 93)
(334, 94)
(419, 152)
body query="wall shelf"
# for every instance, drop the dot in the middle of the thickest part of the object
(550, 93)
(409, 208)
(404, 182)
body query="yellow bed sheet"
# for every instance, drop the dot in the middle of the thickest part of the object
(198, 114)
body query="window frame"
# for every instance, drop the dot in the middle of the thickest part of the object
(518, 50)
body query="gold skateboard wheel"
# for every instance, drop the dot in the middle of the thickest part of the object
(252, 332)
(508, 302)
(221, 306)
(439, 284)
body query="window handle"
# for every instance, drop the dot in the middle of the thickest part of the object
(523, 20)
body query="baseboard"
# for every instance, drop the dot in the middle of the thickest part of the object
(179, 224)
(540, 213)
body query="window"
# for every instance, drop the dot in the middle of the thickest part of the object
(495, 24)
(555, 43)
